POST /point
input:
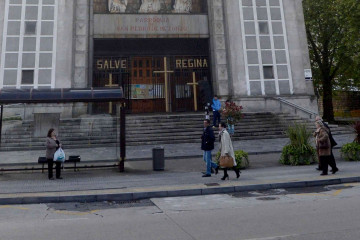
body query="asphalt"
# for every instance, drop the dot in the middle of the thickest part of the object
(181, 177)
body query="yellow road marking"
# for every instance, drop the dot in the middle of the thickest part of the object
(76, 213)
(8, 206)
(312, 194)
(337, 192)
(351, 184)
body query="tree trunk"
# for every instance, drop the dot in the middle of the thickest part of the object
(327, 101)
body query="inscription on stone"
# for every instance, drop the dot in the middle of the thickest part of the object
(192, 63)
(111, 64)
(150, 24)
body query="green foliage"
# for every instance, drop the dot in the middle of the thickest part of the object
(299, 151)
(332, 28)
(299, 134)
(351, 151)
(12, 118)
(241, 158)
(295, 155)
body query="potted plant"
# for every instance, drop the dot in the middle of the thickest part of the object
(232, 114)
(299, 151)
(351, 151)
(241, 158)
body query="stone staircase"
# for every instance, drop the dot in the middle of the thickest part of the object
(101, 131)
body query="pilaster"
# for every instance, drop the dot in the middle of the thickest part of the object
(81, 43)
(220, 71)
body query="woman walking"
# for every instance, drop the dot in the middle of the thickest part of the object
(323, 146)
(226, 149)
(52, 144)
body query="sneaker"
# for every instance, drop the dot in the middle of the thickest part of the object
(206, 175)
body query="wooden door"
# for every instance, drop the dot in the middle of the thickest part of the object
(146, 96)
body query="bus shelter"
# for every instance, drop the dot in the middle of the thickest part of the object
(26, 114)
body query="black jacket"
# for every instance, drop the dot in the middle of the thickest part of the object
(208, 139)
(332, 140)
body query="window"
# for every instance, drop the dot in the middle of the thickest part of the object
(268, 72)
(29, 44)
(27, 77)
(30, 28)
(263, 28)
(266, 53)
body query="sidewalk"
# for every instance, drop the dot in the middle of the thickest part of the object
(182, 177)
(144, 152)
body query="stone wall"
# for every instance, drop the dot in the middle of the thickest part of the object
(65, 44)
(298, 47)
(81, 37)
(2, 15)
(220, 73)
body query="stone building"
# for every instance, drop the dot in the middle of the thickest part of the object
(248, 50)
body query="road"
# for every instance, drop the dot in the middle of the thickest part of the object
(330, 212)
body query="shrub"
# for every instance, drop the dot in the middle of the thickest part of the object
(295, 155)
(351, 151)
(241, 158)
(12, 118)
(299, 151)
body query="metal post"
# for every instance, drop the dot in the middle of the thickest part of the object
(122, 137)
(1, 118)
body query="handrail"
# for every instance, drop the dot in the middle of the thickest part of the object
(296, 107)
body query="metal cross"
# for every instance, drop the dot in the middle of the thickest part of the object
(111, 85)
(194, 84)
(166, 72)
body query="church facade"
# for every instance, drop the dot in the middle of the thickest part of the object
(168, 55)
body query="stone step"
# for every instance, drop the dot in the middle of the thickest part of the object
(146, 130)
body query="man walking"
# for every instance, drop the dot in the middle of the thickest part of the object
(207, 145)
(216, 108)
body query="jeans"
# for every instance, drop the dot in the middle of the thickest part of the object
(209, 163)
(216, 120)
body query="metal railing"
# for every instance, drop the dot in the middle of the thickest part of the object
(296, 107)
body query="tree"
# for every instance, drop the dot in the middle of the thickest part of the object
(332, 28)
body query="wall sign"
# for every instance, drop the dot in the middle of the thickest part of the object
(110, 25)
(308, 74)
(111, 64)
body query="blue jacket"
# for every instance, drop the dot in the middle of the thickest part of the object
(216, 105)
(208, 139)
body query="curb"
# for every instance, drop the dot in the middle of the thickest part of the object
(131, 196)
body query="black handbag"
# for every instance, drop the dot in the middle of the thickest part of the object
(324, 145)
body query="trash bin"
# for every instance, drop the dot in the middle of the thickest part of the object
(158, 159)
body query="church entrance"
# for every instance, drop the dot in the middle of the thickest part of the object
(155, 83)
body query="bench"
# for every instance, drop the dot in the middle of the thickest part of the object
(72, 159)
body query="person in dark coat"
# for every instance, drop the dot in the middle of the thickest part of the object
(52, 144)
(332, 162)
(207, 145)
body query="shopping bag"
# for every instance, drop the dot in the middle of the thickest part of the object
(226, 162)
(59, 155)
